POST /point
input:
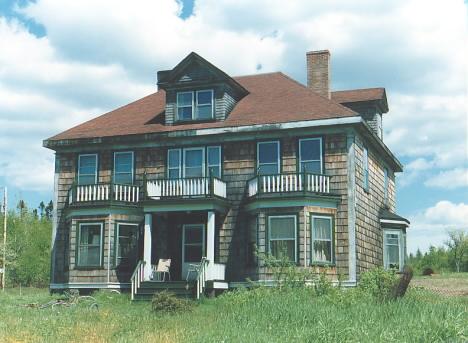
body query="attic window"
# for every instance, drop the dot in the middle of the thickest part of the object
(195, 105)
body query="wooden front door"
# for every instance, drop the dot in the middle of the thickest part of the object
(193, 246)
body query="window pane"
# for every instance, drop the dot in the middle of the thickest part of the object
(89, 256)
(90, 234)
(86, 179)
(322, 251)
(123, 163)
(393, 255)
(193, 253)
(124, 178)
(127, 245)
(268, 169)
(214, 171)
(174, 173)
(204, 97)
(268, 152)
(204, 112)
(184, 113)
(213, 155)
(193, 235)
(184, 99)
(87, 169)
(322, 228)
(311, 167)
(282, 227)
(194, 172)
(282, 249)
(174, 158)
(193, 158)
(89, 250)
(310, 150)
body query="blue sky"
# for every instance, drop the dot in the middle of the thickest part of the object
(64, 62)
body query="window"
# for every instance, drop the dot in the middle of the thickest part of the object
(123, 167)
(194, 161)
(87, 169)
(195, 105)
(174, 162)
(282, 236)
(322, 239)
(127, 244)
(385, 186)
(394, 249)
(89, 245)
(214, 160)
(190, 162)
(310, 155)
(365, 167)
(268, 158)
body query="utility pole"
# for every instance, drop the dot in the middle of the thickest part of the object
(5, 211)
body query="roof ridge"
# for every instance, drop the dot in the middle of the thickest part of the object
(258, 74)
(357, 89)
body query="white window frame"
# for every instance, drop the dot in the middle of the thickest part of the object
(305, 161)
(95, 167)
(365, 169)
(208, 165)
(133, 164)
(282, 239)
(203, 160)
(331, 240)
(184, 106)
(195, 104)
(195, 111)
(278, 162)
(401, 247)
(101, 245)
(168, 168)
(117, 233)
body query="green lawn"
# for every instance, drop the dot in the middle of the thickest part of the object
(253, 316)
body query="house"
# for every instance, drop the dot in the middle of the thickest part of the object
(212, 169)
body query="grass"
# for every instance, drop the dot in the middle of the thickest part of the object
(246, 316)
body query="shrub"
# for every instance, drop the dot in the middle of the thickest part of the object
(167, 302)
(378, 283)
(427, 271)
(322, 285)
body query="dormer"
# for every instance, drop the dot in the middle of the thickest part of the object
(197, 91)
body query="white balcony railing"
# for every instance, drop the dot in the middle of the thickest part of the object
(189, 187)
(104, 192)
(286, 183)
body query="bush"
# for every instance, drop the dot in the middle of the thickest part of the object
(427, 271)
(167, 302)
(378, 283)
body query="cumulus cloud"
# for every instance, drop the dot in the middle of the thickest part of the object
(449, 179)
(430, 226)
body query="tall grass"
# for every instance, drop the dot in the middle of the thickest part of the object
(259, 315)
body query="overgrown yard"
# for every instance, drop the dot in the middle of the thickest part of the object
(449, 284)
(247, 316)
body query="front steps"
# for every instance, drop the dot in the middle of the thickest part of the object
(181, 289)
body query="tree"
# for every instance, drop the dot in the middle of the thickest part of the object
(458, 246)
(48, 210)
(41, 209)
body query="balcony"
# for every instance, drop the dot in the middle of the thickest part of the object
(103, 193)
(284, 184)
(197, 187)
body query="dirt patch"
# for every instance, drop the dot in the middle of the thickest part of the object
(456, 285)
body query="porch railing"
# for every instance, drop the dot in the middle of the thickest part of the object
(186, 187)
(285, 183)
(137, 277)
(201, 277)
(104, 192)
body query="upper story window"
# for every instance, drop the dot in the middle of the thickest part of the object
(268, 158)
(123, 167)
(365, 168)
(310, 155)
(385, 186)
(87, 169)
(195, 105)
(194, 162)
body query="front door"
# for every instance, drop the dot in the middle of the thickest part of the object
(193, 246)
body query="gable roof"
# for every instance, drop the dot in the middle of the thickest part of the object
(361, 95)
(272, 98)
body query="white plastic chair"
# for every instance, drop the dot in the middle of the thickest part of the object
(163, 268)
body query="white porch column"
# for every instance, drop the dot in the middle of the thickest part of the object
(210, 246)
(147, 245)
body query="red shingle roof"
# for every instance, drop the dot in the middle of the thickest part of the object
(273, 98)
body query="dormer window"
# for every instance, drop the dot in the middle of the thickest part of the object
(195, 105)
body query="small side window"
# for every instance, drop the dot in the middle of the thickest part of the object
(87, 169)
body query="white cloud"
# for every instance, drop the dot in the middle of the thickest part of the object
(450, 179)
(430, 226)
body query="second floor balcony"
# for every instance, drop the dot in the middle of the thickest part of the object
(103, 193)
(195, 187)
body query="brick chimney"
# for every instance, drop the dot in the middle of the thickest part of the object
(318, 72)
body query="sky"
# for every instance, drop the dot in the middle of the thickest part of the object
(63, 62)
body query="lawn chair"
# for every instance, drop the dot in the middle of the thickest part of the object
(163, 268)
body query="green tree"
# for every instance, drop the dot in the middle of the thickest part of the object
(458, 247)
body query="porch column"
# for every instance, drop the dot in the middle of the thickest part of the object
(210, 246)
(147, 245)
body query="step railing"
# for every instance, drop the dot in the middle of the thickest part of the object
(104, 192)
(201, 277)
(289, 182)
(137, 277)
(186, 187)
